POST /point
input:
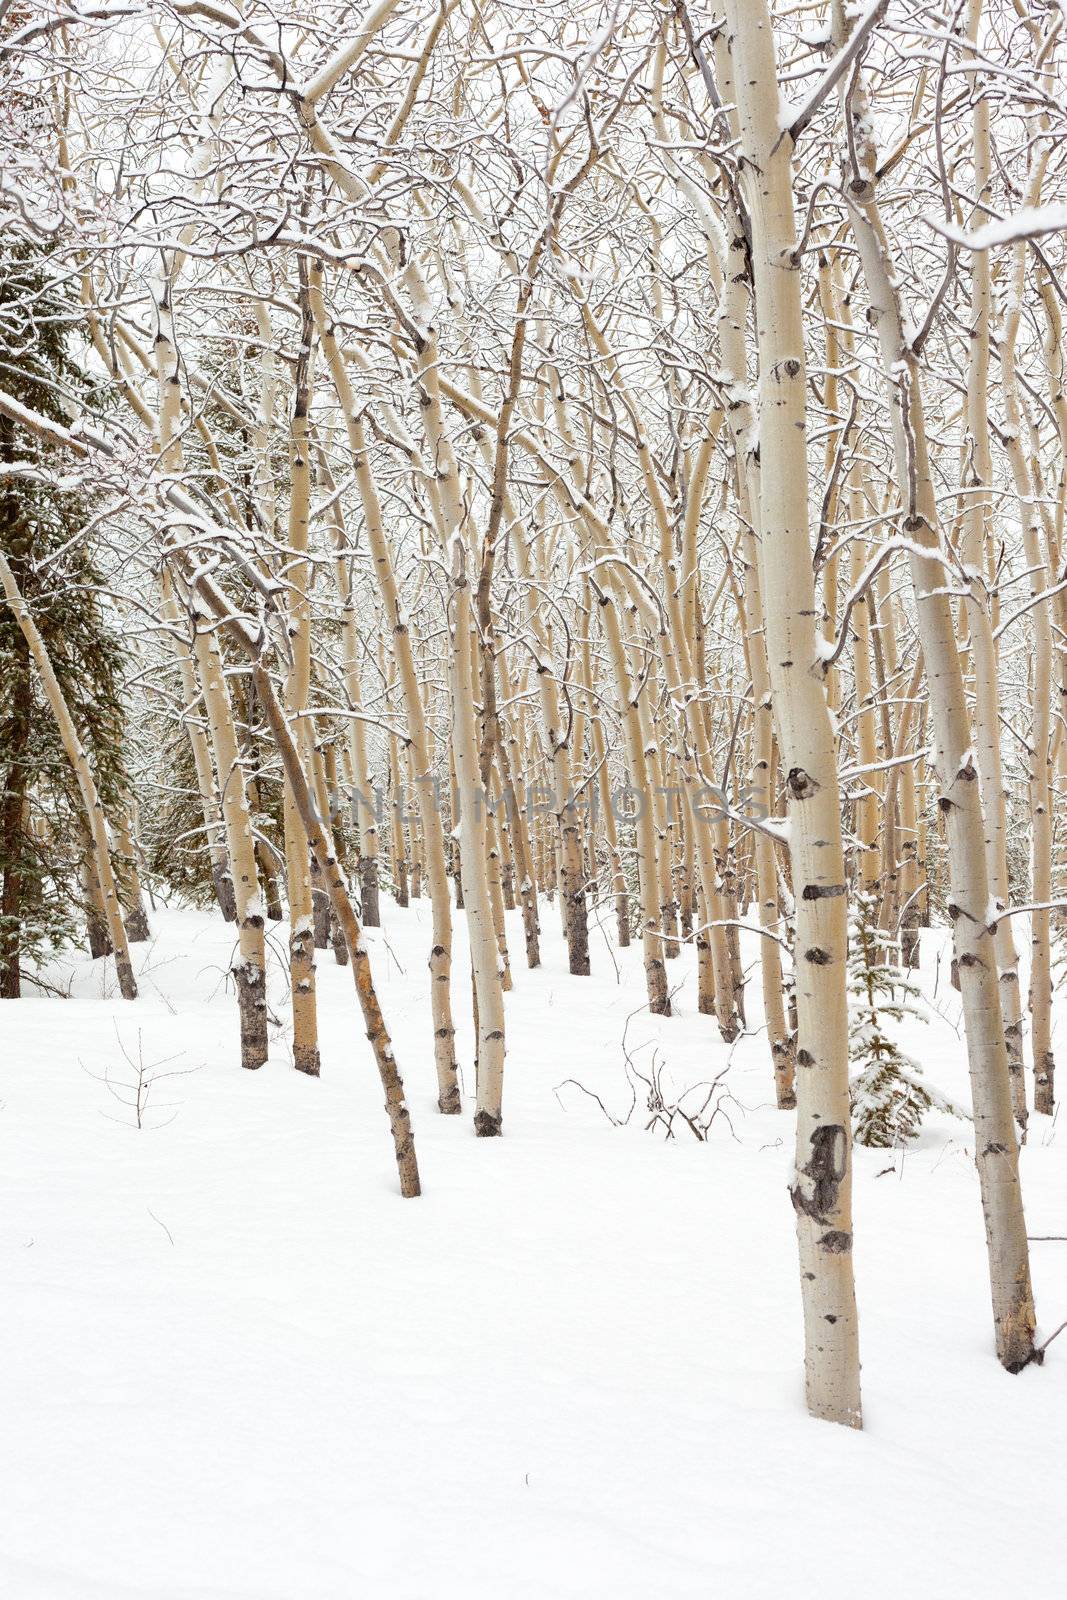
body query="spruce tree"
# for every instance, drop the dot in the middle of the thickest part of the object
(888, 1095)
(42, 520)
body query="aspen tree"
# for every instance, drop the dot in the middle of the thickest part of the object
(454, 530)
(381, 1044)
(511, 742)
(398, 851)
(571, 873)
(135, 918)
(866, 804)
(330, 810)
(976, 544)
(361, 789)
(96, 921)
(214, 823)
(603, 779)
(822, 1183)
(1040, 791)
(163, 425)
(297, 695)
(249, 966)
(413, 828)
(959, 801)
(648, 882)
(732, 323)
(426, 794)
(677, 668)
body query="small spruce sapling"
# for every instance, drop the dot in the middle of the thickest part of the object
(887, 1093)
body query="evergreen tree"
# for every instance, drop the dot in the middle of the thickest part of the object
(42, 853)
(887, 1093)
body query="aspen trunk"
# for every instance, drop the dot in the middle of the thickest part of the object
(426, 790)
(465, 748)
(477, 898)
(136, 918)
(166, 428)
(298, 862)
(733, 321)
(866, 738)
(611, 834)
(822, 1183)
(214, 824)
(976, 545)
(364, 814)
(392, 1083)
(95, 908)
(249, 967)
(520, 837)
(652, 949)
(399, 850)
(327, 930)
(1041, 723)
(959, 802)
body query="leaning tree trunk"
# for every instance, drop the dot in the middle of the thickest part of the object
(996, 1149)
(377, 1033)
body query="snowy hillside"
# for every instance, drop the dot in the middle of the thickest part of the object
(238, 1366)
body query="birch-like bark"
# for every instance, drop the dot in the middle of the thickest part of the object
(603, 780)
(135, 915)
(453, 530)
(249, 966)
(364, 815)
(978, 511)
(732, 325)
(426, 796)
(959, 801)
(297, 694)
(651, 945)
(822, 1182)
(403, 1138)
(1041, 714)
(515, 804)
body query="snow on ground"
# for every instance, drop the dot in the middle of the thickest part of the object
(237, 1366)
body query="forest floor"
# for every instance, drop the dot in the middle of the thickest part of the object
(237, 1366)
